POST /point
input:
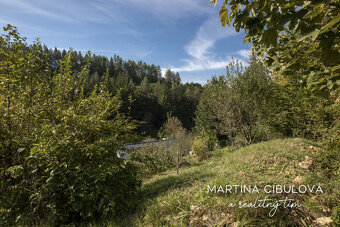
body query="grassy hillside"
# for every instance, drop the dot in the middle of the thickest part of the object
(183, 200)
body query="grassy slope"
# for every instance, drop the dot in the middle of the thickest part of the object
(168, 199)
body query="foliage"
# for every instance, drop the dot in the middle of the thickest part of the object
(152, 159)
(331, 159)
(236, 103)
(211, 140)
(153, 96)
(145, 85)
(174, 131)
(200, 148)
(301, 112)
(299, 41)
(172, 128)
(298, 38)
(155, 158)
(58, 145)
(206, 119)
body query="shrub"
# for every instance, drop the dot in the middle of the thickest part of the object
(200, 148)
(212, 141)
(227, 149)
(58, 146)
(152, 159)
(172, 128)
(72, 181)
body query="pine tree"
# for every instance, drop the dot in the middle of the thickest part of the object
(145, 87)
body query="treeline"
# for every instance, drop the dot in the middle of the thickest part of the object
(251, 104)
(153, 95)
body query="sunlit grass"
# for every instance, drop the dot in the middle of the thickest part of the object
(182, 200)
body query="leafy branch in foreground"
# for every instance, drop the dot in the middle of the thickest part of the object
(295, 37)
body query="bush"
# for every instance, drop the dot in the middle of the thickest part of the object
(172, 128)
(71, 173)
(200, 148)
(227, 149)
(152, 159)
(58, 162)
(72, 183)
(212, 142)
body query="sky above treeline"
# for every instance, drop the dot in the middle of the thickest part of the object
(183, 35)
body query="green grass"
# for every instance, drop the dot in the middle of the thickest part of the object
(170, 200)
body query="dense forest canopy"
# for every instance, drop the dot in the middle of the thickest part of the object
(152, 94)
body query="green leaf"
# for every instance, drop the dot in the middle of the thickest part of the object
(288, 5)
(245, 40)
(276, 65)
(15, 171)
(18, 218)
(313, 34)
(336, 68)
(285, 19)
(313, 14)
(330, 24)
(224, 16)
(270, 36)
(21, 150)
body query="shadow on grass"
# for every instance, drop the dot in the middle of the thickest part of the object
(164, 184)
(155, 188)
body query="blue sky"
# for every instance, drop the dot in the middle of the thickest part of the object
(184, 35)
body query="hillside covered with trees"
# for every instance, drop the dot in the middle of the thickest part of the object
(152, 95)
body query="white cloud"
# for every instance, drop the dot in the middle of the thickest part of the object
(109, 12)
(244, 53)
(25, 7)
(199, 49)
(162, 9)
(69, 13)
(63, 10)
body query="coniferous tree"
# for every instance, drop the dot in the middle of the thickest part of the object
(145, 85)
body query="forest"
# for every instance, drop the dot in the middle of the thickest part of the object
(153, 95)
(64, 115)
